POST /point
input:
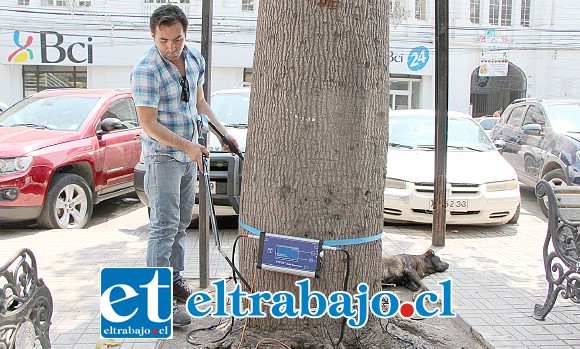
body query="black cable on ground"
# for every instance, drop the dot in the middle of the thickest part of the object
(234, 269)
(234, 255)
(189, 336)
(345, 288)
(386, 330)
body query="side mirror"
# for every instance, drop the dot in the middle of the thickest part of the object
(111, 124)
(499, 145)
(534, 129)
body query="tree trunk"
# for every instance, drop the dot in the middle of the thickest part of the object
(317, 146)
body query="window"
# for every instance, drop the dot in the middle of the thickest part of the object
(534, 115)
(42, 77)
(421, 9)
(24, 2)
(404, 92)
(515, 117)
(248, 5)
(525, 16)
(54, 2)
(248, 75)
(124, 110)
(506, 13)
(398, 12)
(500, 12)
(84, 3)
(474, 11)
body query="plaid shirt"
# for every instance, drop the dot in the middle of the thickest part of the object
(155, 83)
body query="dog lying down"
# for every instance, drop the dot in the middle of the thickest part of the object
(408, 270)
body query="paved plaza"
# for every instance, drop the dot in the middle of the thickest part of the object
(497, 273)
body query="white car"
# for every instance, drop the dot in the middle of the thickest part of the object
(3, 106)
(482, 187)
(488, 122)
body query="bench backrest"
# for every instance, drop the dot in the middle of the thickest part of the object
(568, 201)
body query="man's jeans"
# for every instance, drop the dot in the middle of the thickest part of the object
(170, 188)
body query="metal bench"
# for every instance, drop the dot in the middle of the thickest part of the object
(25, 304)
(562, 264)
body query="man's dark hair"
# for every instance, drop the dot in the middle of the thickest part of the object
(167, 15)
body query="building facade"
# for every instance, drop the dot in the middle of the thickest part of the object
(499, 49)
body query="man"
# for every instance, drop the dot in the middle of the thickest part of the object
(167, 87)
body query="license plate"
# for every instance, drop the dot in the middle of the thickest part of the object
(452, 205)
(212, 186)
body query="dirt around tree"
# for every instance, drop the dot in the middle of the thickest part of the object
(396, 332)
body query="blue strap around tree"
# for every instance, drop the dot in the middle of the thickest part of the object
(342, 242)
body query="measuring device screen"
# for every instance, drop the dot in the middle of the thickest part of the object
(289, 254)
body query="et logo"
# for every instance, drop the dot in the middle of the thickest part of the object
(136, 303)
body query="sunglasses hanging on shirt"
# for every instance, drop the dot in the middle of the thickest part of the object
(184, 89)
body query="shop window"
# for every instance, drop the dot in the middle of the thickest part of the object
(405, 92)
(42, 77)
(248, 75)
(421, 9)
(248, 5)
(525, 15)
(475, 11)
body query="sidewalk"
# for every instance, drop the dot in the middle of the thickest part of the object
(497, 275)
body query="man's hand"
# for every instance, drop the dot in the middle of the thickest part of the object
(195, 152)
(226, 147)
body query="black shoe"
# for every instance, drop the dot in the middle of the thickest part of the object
(181, 290)
(180, 318)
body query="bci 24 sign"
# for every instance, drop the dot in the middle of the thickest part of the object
(48, 47)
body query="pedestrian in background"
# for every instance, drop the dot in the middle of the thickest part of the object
(498, 112)
(167, 88)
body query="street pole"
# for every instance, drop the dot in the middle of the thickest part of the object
(206, 28)
(441, 106)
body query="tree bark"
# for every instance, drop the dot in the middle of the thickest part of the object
(317, 145)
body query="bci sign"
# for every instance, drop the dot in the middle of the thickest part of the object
(52, 49)
(48, 47)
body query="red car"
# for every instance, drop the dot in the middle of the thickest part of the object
(62, 151)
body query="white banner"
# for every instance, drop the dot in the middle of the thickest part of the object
(493, 63)
(493, 60)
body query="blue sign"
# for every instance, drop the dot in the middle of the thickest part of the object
(418, 58)
(136, 303)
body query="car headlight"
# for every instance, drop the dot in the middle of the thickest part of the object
(395, 183)
(503, 185)
(15, 165)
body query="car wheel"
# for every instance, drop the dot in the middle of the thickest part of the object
(68, 204)
(556, 178)
(516, 216)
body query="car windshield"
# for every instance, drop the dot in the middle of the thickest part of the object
(63, 113)
(566, 117)
(418, 132)
(231, 108)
